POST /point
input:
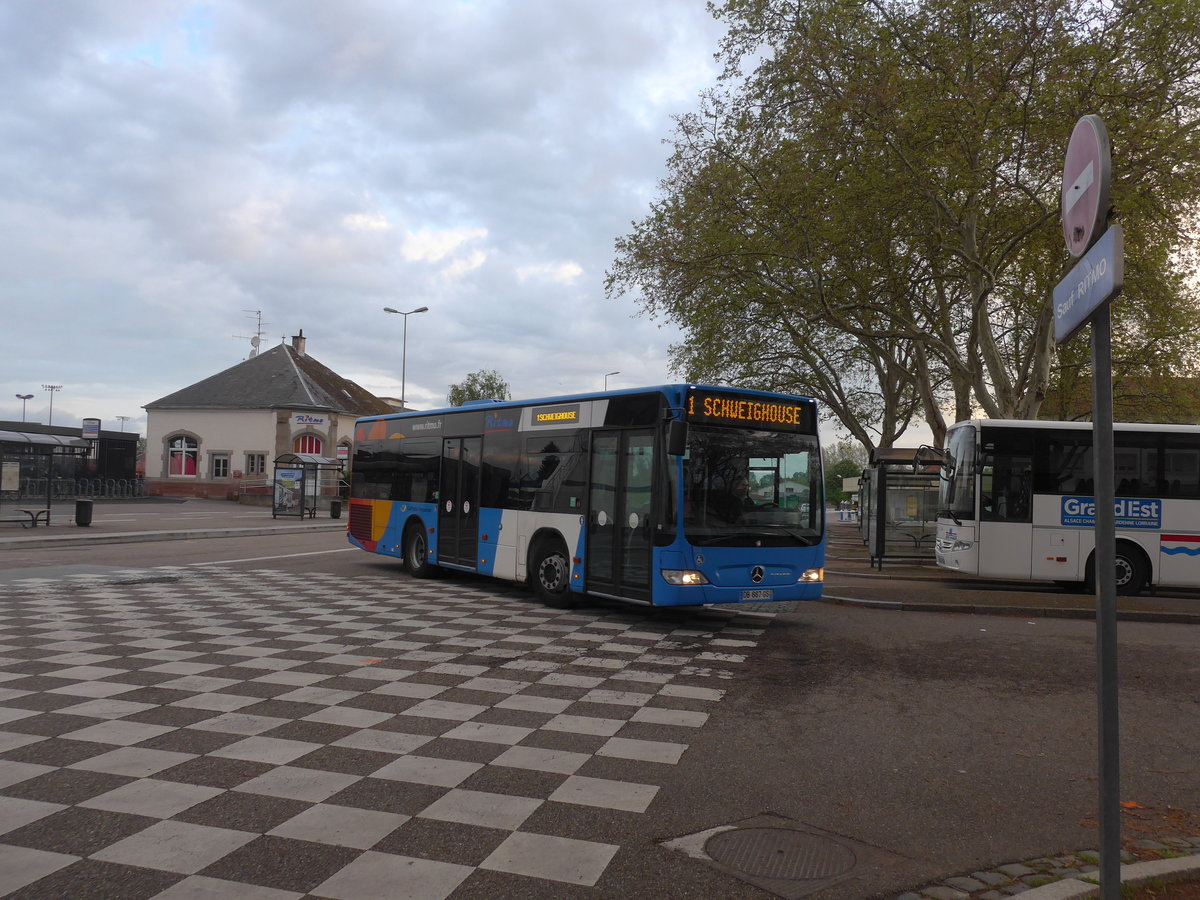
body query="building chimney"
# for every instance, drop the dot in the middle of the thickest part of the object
(298, 342)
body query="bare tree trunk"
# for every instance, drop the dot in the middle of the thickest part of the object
(929, 406)
(1043, 355)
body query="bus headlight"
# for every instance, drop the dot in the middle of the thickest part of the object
(812, 575)
(684, 577)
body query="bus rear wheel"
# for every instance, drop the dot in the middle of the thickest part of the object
(550, 574)
(1131, 571)
(416, 552)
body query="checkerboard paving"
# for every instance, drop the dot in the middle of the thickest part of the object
(198, 732)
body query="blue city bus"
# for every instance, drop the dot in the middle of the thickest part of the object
(672, 495)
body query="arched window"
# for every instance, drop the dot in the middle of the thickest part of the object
(307, 443)
(182, 454)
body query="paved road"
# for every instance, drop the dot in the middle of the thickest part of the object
(311, 720)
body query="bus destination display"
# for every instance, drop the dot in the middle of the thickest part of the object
(721, 408)
(567, 414)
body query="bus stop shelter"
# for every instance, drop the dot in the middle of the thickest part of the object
(35, 471)
(305, 483)
(898, 505)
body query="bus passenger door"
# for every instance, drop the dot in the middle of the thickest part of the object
(620, 530)
(458, 502)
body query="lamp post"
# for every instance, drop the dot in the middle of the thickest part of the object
(606, 378)
(404, 347)
(51, 388)
(23, 398)
(123, 420)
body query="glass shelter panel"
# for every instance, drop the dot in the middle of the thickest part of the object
(910, 513)
(304, 484)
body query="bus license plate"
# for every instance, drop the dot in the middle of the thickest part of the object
(758, 595)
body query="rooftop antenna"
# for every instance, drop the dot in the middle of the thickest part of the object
(256, 339)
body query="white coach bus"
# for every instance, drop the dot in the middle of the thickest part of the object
(1017, 502)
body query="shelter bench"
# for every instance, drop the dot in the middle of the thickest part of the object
(31, 517)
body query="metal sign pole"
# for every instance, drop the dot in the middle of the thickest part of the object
(1106, 608)
(1084, 295)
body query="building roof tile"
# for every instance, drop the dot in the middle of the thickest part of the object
(280, 378)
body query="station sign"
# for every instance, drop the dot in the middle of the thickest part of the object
(1093, 281)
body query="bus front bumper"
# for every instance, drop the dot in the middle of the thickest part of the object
(705, 594)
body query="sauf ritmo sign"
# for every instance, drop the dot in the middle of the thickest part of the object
(1099, 274)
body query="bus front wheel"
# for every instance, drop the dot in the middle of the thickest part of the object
(1131, 571)
(416, 552)
(551, 574)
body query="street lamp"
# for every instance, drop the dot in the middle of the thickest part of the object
(23, 398)
(606, 378)
(51, 388)
(124, 419)
(404, 346)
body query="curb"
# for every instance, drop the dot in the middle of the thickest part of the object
(136, 537)
(896, 573)
(1135, 615)
(1131, 875)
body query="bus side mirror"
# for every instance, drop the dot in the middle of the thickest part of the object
(934, 456)
(677, 435)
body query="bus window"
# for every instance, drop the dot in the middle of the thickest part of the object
(750, 486)
(374, 469)
(1006, 484)
(417, 473)
(958, 492)
(555, 476)
(1181, 468)
(1064, 463)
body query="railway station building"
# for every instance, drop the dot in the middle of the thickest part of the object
(218, 438)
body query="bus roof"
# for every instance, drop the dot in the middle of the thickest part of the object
(676, 390)
(1077, 426)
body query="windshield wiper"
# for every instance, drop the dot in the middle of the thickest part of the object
(949, 513)
(734, 537)
(802, 538)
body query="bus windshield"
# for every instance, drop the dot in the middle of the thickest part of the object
(746, 488)
(958, 482)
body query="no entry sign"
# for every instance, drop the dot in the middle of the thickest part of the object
(1087, 175)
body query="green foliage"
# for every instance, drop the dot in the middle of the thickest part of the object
(842, 459)
(486, 384)
(870, 215)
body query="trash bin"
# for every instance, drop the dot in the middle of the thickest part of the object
(335, 509)
(83, 512)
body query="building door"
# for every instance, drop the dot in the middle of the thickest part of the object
(620, 530)
(458, 501)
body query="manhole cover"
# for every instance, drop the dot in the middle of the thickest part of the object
(780, 853)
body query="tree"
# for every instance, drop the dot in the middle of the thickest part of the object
(871, 215)
(842, 459)
(486, 384)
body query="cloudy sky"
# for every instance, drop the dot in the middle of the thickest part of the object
(171, 167)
